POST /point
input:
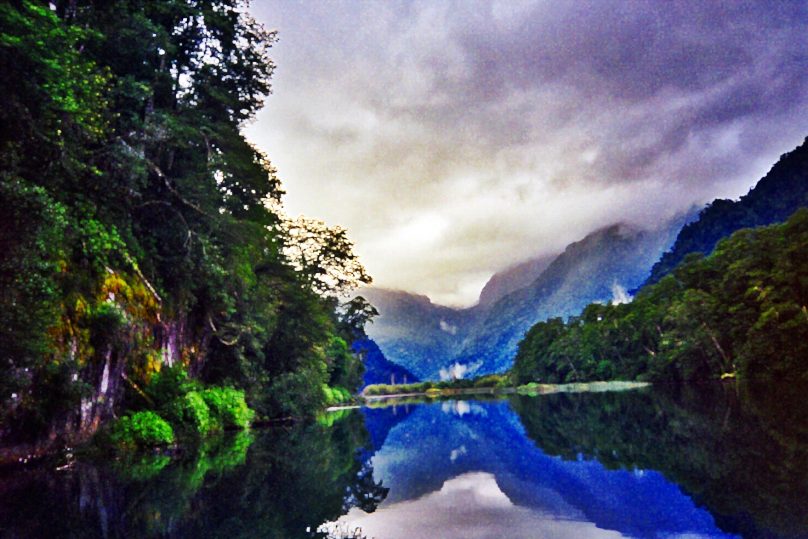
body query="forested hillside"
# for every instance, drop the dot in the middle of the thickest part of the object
(742, 310)
(772, 200)
(141, 233)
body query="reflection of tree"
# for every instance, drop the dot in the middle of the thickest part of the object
(743, 454)
(288, 481)
(365, 493)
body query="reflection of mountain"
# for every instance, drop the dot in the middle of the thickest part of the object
(379, 422)
(439, 442)
(744, 456)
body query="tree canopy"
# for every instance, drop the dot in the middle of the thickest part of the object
(141, 229)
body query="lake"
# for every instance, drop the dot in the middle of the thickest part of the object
(707, 461)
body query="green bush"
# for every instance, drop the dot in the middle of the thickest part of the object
(142, 429)
(170, 384)
(191, 413)
(228, 407)
(336, 395)
(491, 380)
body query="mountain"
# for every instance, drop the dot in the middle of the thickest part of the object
(378, 369)
(513, 278)
(776, 196)
(414, 332)
(436, 342)
(433, 341)
(599, 268)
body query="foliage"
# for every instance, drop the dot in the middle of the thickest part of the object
(141, 227)
(493, 381)
(168, 385)
(742, 309)
(336, 395)
(191, 412)
(776, 196)
(228, 407)
(323, 255)
(142, 429)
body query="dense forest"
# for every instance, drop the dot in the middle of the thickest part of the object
(741, 310)
(772, 200)
(145, 261)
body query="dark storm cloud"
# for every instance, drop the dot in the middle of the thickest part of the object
(455, 138)
(631, 50)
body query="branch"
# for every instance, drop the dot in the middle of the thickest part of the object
(154, 168)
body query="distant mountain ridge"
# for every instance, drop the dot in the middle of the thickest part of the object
(599, 268)
(435, 342)
(782, 191)
(513, 278)
(414, 332)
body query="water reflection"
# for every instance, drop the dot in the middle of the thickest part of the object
(471, 505)
(275, 483)
(740, 451)
(468, 469)
(693, 462)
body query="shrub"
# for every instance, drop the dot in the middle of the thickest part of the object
(170, 384)
(142, 429)
(336, 395)
(191, 413)
(328, 394)
(227, 405)
(491, 380)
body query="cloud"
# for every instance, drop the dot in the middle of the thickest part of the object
(447, 327)
(454, 139)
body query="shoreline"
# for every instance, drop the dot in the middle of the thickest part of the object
(528, 389)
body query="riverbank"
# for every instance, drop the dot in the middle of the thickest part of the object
(531, 389)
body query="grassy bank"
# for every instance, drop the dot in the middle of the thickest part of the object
(487, 385)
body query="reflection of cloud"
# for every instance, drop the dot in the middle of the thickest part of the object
(453, 139)
(456, 453)
(469, 506)
(461, 408)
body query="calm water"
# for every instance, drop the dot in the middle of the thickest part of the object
(698, 462)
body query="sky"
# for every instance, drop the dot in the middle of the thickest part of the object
(455, 139)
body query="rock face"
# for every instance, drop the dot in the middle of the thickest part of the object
(436, 342)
